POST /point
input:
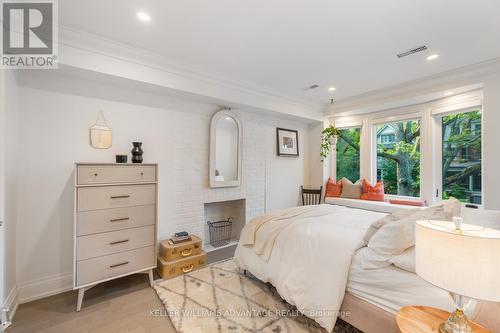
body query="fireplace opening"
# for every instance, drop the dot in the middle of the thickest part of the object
(224, 234)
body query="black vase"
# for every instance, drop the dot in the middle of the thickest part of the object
(137, 152)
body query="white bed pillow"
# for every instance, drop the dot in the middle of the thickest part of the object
(452, 207)
(405, 260)
(350, 190)
(396, 216)
(395, 237)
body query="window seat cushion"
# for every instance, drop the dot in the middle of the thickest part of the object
(376, 206)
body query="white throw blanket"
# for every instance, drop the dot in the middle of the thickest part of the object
(307, 253)
(261, 232)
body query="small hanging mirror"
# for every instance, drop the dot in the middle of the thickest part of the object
(101, 136)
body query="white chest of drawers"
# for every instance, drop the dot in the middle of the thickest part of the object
(115, 223)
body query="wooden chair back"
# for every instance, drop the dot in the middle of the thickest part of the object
(311, 196)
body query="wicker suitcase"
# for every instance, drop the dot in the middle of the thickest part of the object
(171, 269)
(171, 252)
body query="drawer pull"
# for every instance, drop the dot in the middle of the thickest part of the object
(120, 264)
(96, 174)
(119, 242)
(120, 196)
(187, 269)
(120, 219)
(186, 252)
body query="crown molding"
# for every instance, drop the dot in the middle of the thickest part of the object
(472, 99)
(409, 93)
(99, 45)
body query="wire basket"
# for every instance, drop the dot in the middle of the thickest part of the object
(220, 232)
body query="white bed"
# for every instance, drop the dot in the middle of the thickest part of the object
(316, 260)
(387, 288)
(391, 288)
(307, 257)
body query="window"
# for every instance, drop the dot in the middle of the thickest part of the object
(461, 156)
(387, 138)
(398, 157)
(348, 154)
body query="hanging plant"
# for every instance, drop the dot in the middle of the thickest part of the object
(329, 140)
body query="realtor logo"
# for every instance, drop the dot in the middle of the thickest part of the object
(29, 34)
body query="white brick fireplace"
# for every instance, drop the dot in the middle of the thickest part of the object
(259, 157)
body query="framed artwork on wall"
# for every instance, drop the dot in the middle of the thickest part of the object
(287, 141)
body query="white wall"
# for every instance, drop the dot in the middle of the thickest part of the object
(55, 114)
(8, 183)
(282, 188)
(491, 142)
(2, 185)
(318, 171)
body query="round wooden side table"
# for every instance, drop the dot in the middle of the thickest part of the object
(425, 319)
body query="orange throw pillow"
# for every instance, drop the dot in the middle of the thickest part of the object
(333, 189)
(373, 193)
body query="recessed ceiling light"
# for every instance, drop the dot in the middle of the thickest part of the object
(331, 89)
(433, 57)
(143, 16)
(448, 93)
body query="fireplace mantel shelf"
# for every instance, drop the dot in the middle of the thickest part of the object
(209, 248)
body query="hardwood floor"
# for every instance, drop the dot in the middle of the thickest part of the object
(121, 305)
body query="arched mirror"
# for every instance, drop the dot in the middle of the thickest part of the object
(225, 149)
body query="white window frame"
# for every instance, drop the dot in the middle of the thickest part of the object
(430, 138)
(418, 115)
(437, 115)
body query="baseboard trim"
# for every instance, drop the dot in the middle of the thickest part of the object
(44, 287)
(12, 302)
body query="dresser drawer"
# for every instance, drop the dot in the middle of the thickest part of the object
(97, 245)
(96, 269)
(115, 174)
(97, 221)
(104, 197)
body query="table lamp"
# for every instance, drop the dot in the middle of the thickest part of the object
(461, 258)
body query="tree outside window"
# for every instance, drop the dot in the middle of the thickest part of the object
(348, 154)
(398, 158)
(461, 151)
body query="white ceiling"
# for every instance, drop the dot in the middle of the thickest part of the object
(285, 45)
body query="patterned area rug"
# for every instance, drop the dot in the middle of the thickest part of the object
(219, 299)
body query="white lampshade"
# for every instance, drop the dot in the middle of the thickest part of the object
(465, 262)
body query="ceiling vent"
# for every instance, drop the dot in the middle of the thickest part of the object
(314, 86)
(412, 51)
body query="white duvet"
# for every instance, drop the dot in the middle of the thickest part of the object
(307, 256)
